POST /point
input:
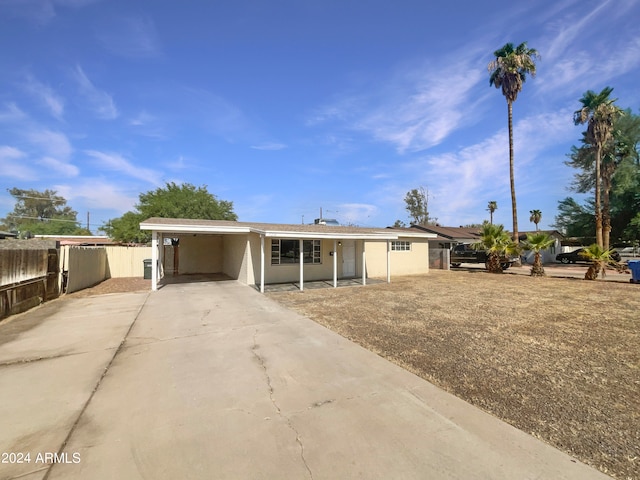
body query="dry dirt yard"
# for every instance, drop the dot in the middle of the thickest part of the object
(557, 358)
(114, 285)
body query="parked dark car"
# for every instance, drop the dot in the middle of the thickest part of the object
(576, 256)
(465, 253)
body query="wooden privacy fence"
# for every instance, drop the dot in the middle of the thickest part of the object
(34, 271)
(28, 274)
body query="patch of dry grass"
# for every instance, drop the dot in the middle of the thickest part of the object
(557, 358)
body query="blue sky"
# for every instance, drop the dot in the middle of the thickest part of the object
(287, 106)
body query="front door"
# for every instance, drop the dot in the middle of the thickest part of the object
(348, 258)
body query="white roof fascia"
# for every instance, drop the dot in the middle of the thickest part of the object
(217, 229)
(164, 228)
(417, 235)
(327, 235)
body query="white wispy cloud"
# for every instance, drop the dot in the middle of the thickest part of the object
(56, 167)
(254, 207)
(45, 94)
(457, 179)
(142, 119)
(357, 213)
(269, 146)
(568, 28)
(12, 114)
(12, 164)
(54, 144)
(41, 11)
(116, 162)
(578, 51)
(98, 100)
(98, 193)
(149, 125)
(417, 108)
(131, 37)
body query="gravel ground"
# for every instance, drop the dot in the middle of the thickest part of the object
(114, 285)
(557, 358)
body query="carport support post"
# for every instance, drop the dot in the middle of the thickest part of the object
(301, 257)
(364, 264)
(388, 261)
(261, 263)
(154, 260)
(335, 263)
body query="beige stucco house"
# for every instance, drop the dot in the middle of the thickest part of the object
(265, 253)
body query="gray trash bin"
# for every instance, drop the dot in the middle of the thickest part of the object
(147, 268)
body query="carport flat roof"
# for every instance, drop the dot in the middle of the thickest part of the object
(184, 225)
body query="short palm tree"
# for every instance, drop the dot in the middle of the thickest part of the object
(536, 216)
(599, 112)
(497, 243)
(509, 71)
(536, 243)
(492, 207)
(600, 260)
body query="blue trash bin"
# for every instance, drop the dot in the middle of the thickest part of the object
(634, 266)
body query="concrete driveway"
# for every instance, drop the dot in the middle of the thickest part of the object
(213, 380)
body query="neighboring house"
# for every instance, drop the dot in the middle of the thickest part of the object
(549, 254)
(448, 237)
(263, 253)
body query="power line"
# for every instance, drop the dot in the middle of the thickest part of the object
(51, 219)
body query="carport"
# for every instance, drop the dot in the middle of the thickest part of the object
(259, 253)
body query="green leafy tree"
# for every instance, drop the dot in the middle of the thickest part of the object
(599, 112)
(492, 207)
(536, 243)
(620, 177)
(633, 229)
(535, 217)
(508, 72)
(42, 213)
(171, 201)
(496, 242)
(417, 204)
(573, 219)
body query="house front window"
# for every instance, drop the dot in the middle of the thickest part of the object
(284, 251)
(400, 246)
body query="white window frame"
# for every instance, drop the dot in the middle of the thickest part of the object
(400, 246)
(316, 252)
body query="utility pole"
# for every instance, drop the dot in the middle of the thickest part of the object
(88, 221)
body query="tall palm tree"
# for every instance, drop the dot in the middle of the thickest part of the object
(497, 243)
(536, 243)
(599, 112)
(492, 207)
(509, 71)
(536, 216)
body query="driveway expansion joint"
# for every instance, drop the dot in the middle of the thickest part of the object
(23, 361)
(95, 389)
(254, 350)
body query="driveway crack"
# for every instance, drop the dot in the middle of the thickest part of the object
(261, 361)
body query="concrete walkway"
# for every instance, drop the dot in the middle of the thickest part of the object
(216, 381)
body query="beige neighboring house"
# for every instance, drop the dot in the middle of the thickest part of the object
(265, 253)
